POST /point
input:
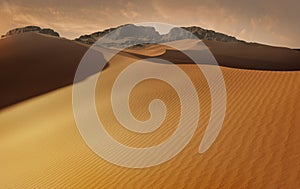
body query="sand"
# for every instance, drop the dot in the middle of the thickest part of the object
(231, 54)
(32, 64)
(258, 146)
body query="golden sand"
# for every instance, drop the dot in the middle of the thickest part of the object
(258, 146)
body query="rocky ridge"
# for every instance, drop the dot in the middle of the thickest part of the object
(132, 35)
(127, 35)
(36, 29)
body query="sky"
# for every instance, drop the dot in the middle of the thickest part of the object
(273, 22)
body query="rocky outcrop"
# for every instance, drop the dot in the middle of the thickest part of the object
(123, 35)
(131, 31)
(210, 34)
(49, 31)
(133, 35)
(92, 38)
(36, 29)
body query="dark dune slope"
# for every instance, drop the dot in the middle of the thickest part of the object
(240, 55)
(32, 64)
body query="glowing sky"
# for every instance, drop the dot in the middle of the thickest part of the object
(274, 22)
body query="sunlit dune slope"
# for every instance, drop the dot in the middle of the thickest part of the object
(258, 146)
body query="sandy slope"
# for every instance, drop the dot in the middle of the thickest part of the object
(231, 54)
(258, 146)
(32, 64)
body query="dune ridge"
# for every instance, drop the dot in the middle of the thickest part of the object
(32, 64)
(230, 54)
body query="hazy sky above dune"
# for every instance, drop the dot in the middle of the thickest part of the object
(274, 22)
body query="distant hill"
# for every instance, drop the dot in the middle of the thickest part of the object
(36, 29)
(126, 35)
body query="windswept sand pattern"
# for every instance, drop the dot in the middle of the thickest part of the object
(258, 146)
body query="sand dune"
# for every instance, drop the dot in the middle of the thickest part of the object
(32, 64)
(258, 146)
(233, 54)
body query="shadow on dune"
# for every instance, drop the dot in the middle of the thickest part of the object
(239, 55)
(33, 64)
